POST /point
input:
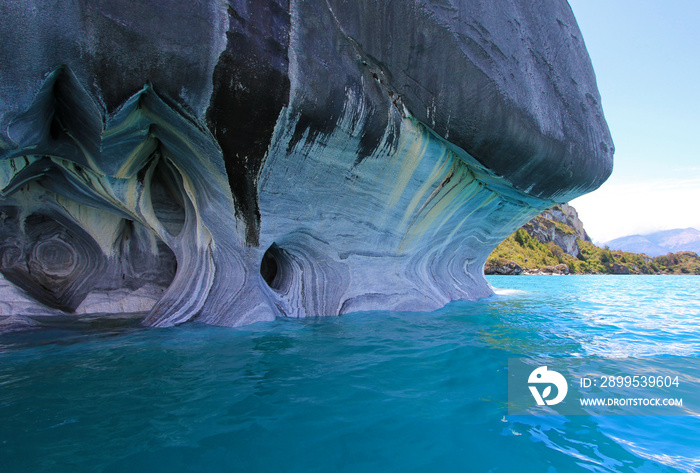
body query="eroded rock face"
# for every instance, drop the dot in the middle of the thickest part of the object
(236, 162)
(567, 215)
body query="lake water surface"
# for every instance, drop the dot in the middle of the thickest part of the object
(366, 392)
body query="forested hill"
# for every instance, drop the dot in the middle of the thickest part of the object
(555, 242)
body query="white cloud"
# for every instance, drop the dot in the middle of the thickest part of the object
(620, 209)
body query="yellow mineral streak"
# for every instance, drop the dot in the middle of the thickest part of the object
(104, 227)
(414, 146)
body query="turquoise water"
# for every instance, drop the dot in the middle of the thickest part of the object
(367, 392)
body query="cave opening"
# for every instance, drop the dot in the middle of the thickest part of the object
(269, 267)
(167, 198)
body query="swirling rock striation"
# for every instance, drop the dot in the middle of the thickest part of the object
(247, 160)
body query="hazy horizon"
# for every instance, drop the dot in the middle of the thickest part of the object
(646, 63)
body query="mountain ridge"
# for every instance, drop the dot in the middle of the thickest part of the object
(659, 243)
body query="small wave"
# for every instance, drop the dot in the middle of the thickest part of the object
(508, 292)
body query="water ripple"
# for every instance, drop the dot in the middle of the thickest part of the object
(364, 392)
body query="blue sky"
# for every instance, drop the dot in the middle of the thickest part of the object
(646, 54)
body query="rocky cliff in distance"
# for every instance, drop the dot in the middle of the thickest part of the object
(555, 242)
(233, 161)
(559, 225)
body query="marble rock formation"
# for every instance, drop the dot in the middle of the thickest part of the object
(229, 162)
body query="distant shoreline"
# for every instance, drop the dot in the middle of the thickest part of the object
(587, 274)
